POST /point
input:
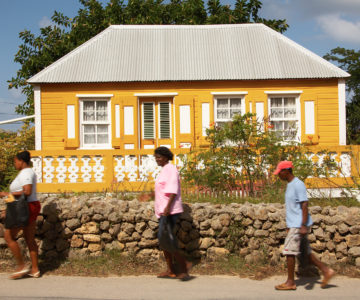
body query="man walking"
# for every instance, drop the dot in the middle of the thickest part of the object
(298, 220)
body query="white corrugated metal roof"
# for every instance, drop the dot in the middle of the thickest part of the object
(124, 53)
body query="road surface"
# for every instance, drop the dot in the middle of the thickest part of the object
(150, 287)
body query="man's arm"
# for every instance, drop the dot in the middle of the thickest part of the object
(305, 214)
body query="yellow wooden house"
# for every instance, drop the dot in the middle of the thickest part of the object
(103, 108)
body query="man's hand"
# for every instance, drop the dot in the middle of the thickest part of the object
(303, 230)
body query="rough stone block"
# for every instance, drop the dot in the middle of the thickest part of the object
(92, 238)
(88, 228)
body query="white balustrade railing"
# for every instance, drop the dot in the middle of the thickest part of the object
(135, 168)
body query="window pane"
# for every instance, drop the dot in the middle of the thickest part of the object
(102, 129)
(89, 138)
(235, 103)
(222, 103)
(89, 111)
(222, 114)
(102, 138)
(289, 102)
(277, 113)
(89, 105)
(89, 128)
(290, 125)
(234, 112)
(276, 102)
(290, 113)
(101, 111)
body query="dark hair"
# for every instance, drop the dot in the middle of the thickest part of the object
(164, 151)
(24, 156)
(290, 170)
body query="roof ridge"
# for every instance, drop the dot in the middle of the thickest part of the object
(171, 26)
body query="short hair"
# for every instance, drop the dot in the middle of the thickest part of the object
(24, 156)
(164, 151)
(290, 170)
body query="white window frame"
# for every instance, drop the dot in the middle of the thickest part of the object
(170, 117)
(142, 120)
(82, 122)
(297, 106)
(229, 97)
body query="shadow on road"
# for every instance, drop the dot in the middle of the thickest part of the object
(310, 282)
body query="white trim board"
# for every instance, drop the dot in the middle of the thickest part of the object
(94, 95)
(229, 93)
(282, 92)
(342, 112)
(17, 119)
(155, 94)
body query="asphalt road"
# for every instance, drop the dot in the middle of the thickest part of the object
(150, 287)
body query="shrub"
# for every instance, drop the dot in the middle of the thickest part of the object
(242, 154)
(10, 144)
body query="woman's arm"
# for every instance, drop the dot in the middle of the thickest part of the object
(27, 189)
(168, 206)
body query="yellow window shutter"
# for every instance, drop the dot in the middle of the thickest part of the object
(115, 125)
(128, 122)
(310, 133)
(72, 138)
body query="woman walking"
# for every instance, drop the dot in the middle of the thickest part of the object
(168, 205)
(24, 183)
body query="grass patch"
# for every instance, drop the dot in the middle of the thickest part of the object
(114, 263)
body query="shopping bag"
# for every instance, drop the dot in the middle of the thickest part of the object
(17, 213)
(167, 240)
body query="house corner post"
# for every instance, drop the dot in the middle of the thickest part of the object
(109, 170)
(342, 112)
(37, 108)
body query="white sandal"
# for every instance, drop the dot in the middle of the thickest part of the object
(34, 275)
(19, 274)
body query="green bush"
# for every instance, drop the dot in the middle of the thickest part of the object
(10, 144)
(242, 155)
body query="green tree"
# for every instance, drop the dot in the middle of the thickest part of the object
(349, 60)
(10, 144)
(37, 52)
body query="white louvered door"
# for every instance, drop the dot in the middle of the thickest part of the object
(156, 123)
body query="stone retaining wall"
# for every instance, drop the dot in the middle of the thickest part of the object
(84, 225)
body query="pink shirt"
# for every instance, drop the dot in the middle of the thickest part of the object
(168, 182)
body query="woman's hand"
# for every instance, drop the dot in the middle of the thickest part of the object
(166, 211)
(4, 194)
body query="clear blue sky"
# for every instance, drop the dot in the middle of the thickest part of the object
(319, 25)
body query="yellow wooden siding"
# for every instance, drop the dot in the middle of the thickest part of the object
(54, 98)
(53, 120)
(131, 101)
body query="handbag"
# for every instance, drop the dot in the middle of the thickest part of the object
(167, 240)
(17, 212)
